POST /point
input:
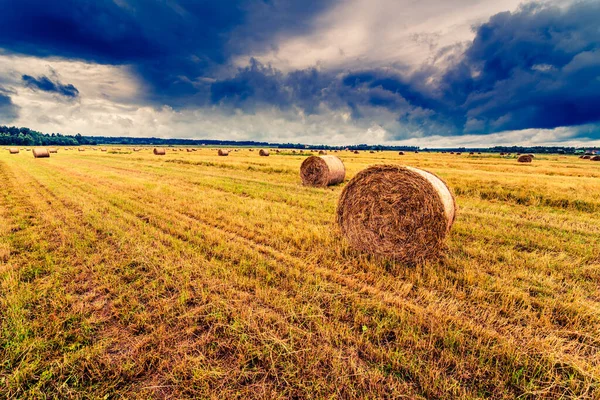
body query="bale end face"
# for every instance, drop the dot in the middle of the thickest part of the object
(159, 151)
(264, 153)
(223, 152)
(322, 171)
(13, 150)
(401, 213)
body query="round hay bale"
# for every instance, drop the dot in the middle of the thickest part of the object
(276, 151)
(223, 152)
(451, 152)
(322, 171)
(458, 153)
(80, 149)
(264, 153)
(524, 158)
(40, 152)
(586, 157)
(403, 213)
(501, 154)
(595, 158)
(356, 152)
(159, 151)
(400, 153)
(103, 149)
(471, 153)
(188, 150)
(322, 153)
(13, 150)
(52, 151)
(371, 152)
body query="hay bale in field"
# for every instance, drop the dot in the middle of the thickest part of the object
(52, 151)
(403, 213)
(276, 151)
(103, 149)
(322, 171)
(372, 152)
(322, 153)
(458, 153)
(595, 158)
(586, 157)
(501, 154)
(451, 152)
(80, 149)
(251, 149)
(531, 155)
(188, 150)
(471, 153)
(263, 153)
(159, 151)
(40, 152)
(416, 152)
(356, 152)
(223, 152)
(524, 158)
(13, 150)
(400, 153)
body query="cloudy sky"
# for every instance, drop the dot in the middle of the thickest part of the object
(426, 72)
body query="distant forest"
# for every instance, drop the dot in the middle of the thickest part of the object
(13, 136)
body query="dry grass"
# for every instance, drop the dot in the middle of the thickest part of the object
(197, 276)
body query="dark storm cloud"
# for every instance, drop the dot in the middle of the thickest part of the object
(170, 43)
(8, 110)
(47, 85)
(538, 67)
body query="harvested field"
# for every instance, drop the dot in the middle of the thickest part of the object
(198, 276)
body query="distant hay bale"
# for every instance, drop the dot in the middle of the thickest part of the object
(586, 157)
(400, 153)
(264, 153)
(159, 151)
(40, 152)
(80, 149)
(13, 150)
(322, 153)
(403, 213)
(180, 149)
(371, 152)
(223, 152)
(322, 171)
(251, 149)
(188, 150)
(356, 152)
(103, 149)
(595, 158)
(471, 153)
(501, 154)
(451, 152)
(276, 151)
(458, 153)
(416, 152)
(52, 151)
(294, 151)
(524, 158)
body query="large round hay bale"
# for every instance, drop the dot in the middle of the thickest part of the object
(595, 158)
(264, 153)
(223, 152)
(159, 151)
(525, 158)
(586, 157)
(13, 150)
(403, 213)
(53, 151)
(40, 152)
(322, 171)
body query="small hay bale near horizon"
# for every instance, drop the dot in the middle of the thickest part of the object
(400, 153)
(159, 151)
(322, 171)
(53, 150)
(223, 152)
(402, 213)
(525, 158)
(13, 150)
(80, 149)
(104, 149)
(322, 153)
(189, 150)
(263, 153)
(356, 152)
(40, 152)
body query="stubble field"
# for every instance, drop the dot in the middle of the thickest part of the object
(191, 276)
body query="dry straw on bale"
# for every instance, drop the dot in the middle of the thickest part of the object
(160, 151)
(595, 158)
(40, 152)
(264, 153)
(223, 152)
(52, 151)
(403, 213)
(322, 171)
(524, 158)
(13, 150)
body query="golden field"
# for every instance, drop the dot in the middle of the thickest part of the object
(130, 275)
